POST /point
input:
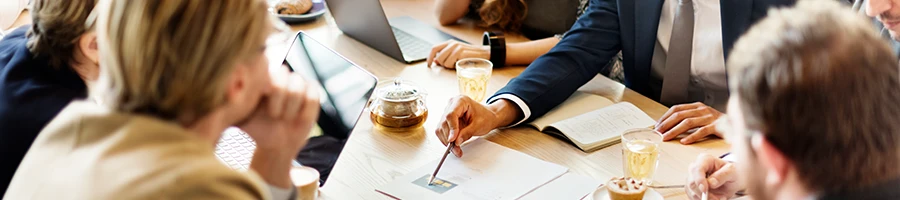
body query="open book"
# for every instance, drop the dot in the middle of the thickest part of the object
(591, 122)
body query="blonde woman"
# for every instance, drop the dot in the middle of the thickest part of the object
(175, 75)
(43, 67)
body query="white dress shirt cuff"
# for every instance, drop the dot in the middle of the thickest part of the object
(279, 193)
(518, 101)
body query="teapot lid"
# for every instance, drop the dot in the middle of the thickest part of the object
(398, 90)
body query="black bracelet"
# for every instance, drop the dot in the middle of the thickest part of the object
(498, 47)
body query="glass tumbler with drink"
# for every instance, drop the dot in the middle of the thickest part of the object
(473, 75)
(640, 151)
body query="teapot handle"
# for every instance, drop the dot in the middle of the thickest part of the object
(369, 104)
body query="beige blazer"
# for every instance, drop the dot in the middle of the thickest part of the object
(90, 152)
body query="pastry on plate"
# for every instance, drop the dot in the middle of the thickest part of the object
(625, 188)
(293, 7)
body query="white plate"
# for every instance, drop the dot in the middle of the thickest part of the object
(602, 194)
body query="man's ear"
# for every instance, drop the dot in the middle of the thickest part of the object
(775, 162)
(87, 44)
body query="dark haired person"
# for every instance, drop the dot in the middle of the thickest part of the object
(43, 66)
(542, 21)
(814, 111)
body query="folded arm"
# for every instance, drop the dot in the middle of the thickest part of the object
(522, 53)
(448, 11)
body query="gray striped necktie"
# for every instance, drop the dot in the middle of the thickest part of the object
(678, 61)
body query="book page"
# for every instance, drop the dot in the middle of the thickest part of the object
(489, 172)
(577, 104)
(604, 123)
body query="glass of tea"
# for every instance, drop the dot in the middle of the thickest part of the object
(640, 151)
(473, 75)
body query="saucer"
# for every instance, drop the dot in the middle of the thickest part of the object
(317, 10)
(602, 194)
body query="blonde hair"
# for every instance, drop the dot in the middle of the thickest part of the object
(171, 59)
(56, 27)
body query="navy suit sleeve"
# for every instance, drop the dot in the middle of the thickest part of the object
(583, 52)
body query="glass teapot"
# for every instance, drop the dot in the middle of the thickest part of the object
(398, 104)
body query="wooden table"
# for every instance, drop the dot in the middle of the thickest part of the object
(372, 157)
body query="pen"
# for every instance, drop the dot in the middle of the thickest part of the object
(723, 155)
(433, 175)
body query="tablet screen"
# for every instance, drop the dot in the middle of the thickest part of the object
(345, 87)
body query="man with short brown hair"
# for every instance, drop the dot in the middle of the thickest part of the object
(814, 113)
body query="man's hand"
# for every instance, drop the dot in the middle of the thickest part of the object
(280, 125)
(682, 118)
(714, 175)
(465, 118)
(446, 54)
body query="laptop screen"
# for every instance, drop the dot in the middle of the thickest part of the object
(345, 87)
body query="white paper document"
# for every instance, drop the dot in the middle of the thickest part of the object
(487, 171)
(567, 186)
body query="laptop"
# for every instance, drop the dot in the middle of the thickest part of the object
(345, 89)
(402, 38)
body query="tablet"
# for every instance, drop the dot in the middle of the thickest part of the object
(345, 87)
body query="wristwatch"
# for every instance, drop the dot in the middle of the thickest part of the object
(498, 47)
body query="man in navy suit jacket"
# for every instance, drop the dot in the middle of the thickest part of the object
(642, 31)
